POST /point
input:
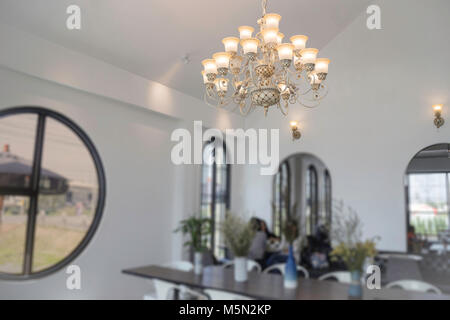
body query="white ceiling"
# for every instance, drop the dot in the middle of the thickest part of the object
(149, 37)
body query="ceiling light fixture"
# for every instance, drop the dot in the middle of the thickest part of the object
(260, 73)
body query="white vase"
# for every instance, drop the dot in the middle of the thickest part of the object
(198, 263)
(240, 269)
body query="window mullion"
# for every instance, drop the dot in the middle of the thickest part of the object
(448, 197)
(34, 183)
(213, 202)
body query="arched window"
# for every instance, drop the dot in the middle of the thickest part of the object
(215, 197)
(52, 191)
(311, 200)
(427, 186)
(328, 198)
(281, 198)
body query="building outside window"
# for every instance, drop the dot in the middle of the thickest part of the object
(48, 169)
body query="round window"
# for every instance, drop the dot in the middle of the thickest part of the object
(52, 191)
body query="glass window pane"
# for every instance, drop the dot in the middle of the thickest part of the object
(428, 206)
(68, 195)
(311, 200)
(17, 139)
(328, 199)
(219, 240)
(13, 225)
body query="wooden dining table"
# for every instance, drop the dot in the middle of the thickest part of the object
(270, 286)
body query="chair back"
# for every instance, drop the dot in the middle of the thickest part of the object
(387, 256)
(180, 265)
(187, 293)
(340, 276)
(223, 295)
(414, 285)
(280, 267)
(162, 288)
(252, 265)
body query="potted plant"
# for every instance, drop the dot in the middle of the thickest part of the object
(238, 235)
(350, 248)
(198, 230)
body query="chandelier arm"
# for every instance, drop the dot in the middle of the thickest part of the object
(205, 98)
(298, 84)
(286, 107)
(306, 105)
(226, 101)
(264, 7)
(252, 109)
(242, 108)
(235, 107)
(316, 101)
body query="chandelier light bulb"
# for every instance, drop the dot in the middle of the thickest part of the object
(209, 66)
(322, 65)
(272, 21)
(309, 55)
(205, 78)
(270, 35)
(299, 41)
(245, 32)
(285, 51)
(231, 44)
(250, 45)
(280, 37)
(222, 59)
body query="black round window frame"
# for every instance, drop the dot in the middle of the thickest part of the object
(44, 113)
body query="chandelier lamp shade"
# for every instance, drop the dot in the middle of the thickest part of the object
(260, 70)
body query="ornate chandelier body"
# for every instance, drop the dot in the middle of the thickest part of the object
(260, 72)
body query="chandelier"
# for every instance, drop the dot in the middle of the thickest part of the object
(264, 71)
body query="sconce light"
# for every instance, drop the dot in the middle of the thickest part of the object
(295, 132)
(438, 120)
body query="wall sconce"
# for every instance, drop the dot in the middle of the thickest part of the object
(438, 120)
(295, 132)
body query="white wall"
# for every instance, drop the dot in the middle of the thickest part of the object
(376, 117)
(130, 120)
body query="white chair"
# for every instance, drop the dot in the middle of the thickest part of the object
(162, 288)
(414, 285)
(223, 295)
(251, 265)
(281, 267)
(340, 276)
(195, 295)
(180, 265)
(387, 256)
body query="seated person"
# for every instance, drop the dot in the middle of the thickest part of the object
(258, 246)
(269, 234)
(316, 253)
